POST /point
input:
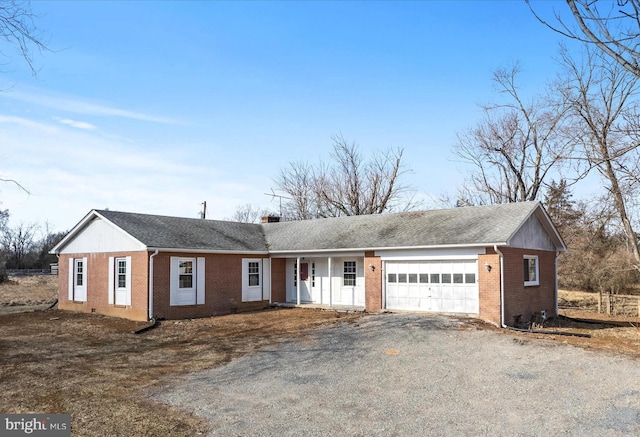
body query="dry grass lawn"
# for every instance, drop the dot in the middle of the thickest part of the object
(96, 369)
(20, 291)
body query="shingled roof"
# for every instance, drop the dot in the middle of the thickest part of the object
(156, 231)
(466, 226)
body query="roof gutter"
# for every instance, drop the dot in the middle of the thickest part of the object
(502, 323)
(213, 251)
(150, 301)
(362, 249)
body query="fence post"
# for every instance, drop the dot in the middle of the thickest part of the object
(609, 303)
(599, 301)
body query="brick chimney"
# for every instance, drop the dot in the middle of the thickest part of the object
(270, 218)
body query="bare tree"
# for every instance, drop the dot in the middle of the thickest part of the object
(247, 213)
(514, 147)
(604, 112)
(19, 242)
(18, 29)
(349, 185)
(612, 26)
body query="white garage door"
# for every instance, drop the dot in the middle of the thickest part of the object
(440, 286)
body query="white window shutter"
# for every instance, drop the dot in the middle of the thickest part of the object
(266, 279)
(200, 288)
(85, 287)
(71, 278)
(128, 279)
(174, 281)
(111, 280)
(245, 279)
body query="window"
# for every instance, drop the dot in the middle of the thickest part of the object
(79, 273)
(446, 278)
(435, 278)
(349, 276)
(313, 274)
(251, 280)
(531, 270)
(424, 278)
(413, 278)
(186, 273)
(254, 273)
(187, 281)
(402, 277)
(392, 278)
(122, 272)
(457, 278)
(470, 278)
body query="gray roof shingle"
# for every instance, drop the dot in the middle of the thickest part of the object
(467, 226)
(478, 225)
(157, 231)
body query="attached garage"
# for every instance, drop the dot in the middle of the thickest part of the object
(439, 286)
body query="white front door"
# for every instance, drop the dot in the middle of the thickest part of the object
(292, 282)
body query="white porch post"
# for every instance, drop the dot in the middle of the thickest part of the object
(330, 282)
(298, 281)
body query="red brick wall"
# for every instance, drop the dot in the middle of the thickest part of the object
(278, 280)
(98, 285)
(521, 300)
(489, 286)
(223, 287)
(372, 282)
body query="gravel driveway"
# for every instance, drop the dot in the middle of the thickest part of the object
(410, 375)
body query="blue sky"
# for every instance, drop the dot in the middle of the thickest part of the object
(155, 107)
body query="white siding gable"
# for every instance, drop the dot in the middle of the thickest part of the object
(100, 236)
(532, 235)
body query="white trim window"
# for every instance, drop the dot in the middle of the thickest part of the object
(120, 281)
(349, 274)
(251, 279)
(187, 281)
(77, 279)
(531, 270)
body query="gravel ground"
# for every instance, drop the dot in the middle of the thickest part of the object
(407, 375)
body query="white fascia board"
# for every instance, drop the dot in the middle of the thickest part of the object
(56, 249)
(119, 229)
(81, 225)
(212, 251)
(546, 223)
(78, 228)
(369, 249)
(316, 253)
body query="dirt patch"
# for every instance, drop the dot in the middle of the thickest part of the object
(613, 334)
(25, 293)
(96, 369)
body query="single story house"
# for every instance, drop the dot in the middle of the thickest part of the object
(494, 262)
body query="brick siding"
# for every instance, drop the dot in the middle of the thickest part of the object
(223, 287)
(521, 300)
(278, 280)
(373, 282)
(489, 286)
(98, 285)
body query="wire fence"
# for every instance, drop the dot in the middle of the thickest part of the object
(52, 270)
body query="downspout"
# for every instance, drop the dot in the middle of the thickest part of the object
(555, 271)
(151, 284)
(495, 247)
